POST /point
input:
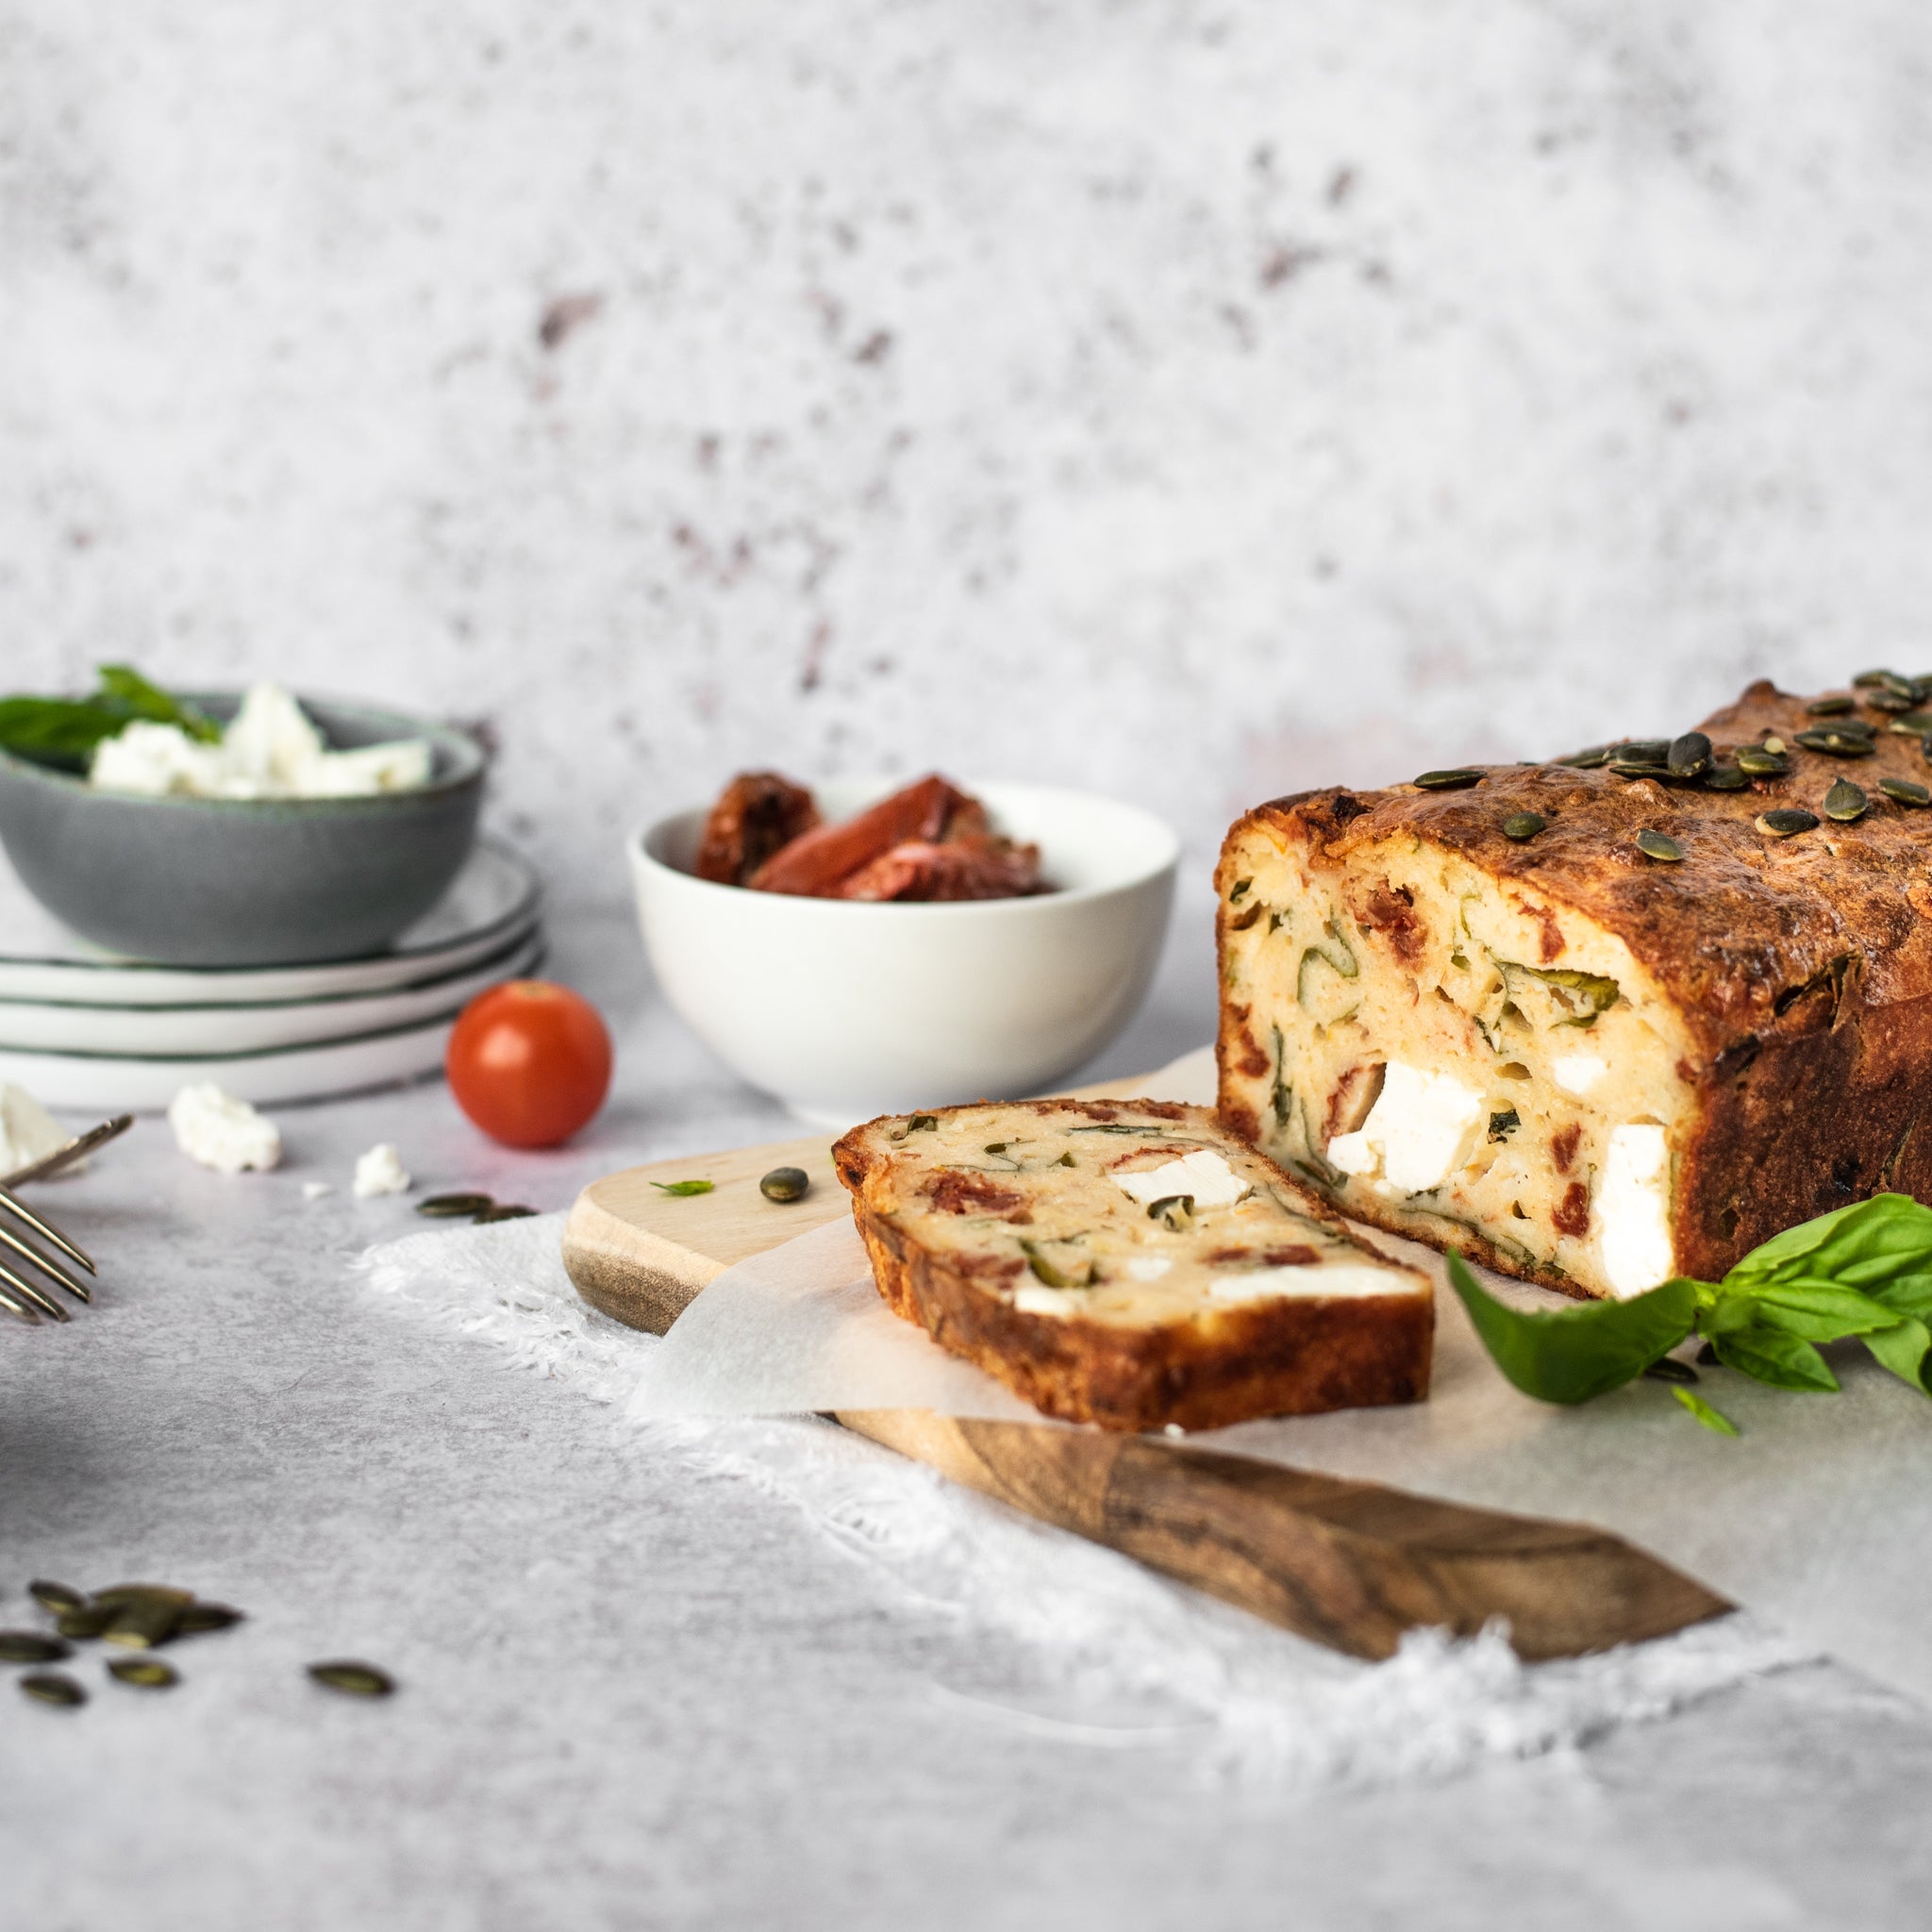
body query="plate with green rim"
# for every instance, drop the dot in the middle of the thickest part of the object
(494, 899)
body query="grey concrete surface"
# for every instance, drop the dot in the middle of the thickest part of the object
(631, 1700)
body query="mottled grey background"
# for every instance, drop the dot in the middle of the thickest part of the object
(1189, 400)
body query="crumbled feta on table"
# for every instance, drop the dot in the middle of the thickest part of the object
(222, 1132)
(270, 750)
(381, 1172)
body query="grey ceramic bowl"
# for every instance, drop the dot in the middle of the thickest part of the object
(246, 882)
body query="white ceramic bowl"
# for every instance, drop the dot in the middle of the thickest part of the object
(846, 1010)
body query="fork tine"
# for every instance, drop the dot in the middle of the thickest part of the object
(22, 1286)
(47, 1231)
(64, 1157)
(17, 1306)
(52, 1269)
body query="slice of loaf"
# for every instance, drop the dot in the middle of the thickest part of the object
(1130, 1263)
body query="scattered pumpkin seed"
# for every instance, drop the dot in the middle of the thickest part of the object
(1902, 792)
(1910, 724)
(1774, 745)
(1726, 778)
(356, 1679)
(1522, 825)
(53, 1687)
(1644, 751)
(1585, 760)
(506, 1210)
(682, 1188)
(31, 1647)
(88, 1621)
(1174, 1212)
(199, 1618)
(1835, 743)
(452, 1206)
(145, 1624)
(1755, 762)
(1830, 708)
(792, 1183)
(1456, 778)
(1786, 821)
(1688, 754)
(1625, 768)
(1659, 845)
(144, 1592)
(1669, 1369)
(56, 1598)
(1846, 802)
(145, 1673)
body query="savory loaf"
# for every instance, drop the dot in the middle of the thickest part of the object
(1129, 1264)
(1604, 1021)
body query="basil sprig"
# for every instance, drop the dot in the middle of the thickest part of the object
(1864, 1272)
(64, 731)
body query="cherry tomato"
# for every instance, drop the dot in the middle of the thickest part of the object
(529, 1062)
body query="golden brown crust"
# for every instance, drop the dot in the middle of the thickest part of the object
(1296, 1356)
(1802, 967)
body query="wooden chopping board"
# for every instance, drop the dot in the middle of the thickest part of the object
(1352, 1565)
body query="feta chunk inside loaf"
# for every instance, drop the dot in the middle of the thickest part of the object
(1130, 1263)
(1465, 1063)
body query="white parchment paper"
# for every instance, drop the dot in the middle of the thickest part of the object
(1819, 1516)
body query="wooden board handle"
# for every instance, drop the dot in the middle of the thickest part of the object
(1348, 1564)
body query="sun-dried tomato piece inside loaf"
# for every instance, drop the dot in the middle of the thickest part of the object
(1130, 1263)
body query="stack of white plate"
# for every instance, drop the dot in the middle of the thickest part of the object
(81, 1028)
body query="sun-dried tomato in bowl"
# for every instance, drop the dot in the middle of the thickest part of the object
(929, 841)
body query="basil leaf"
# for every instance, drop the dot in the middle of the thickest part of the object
(1569, 1354)
(1818, 1310)
(1862, 1246)
(1902, 1350)
(1771, 1355)
(66, 728)
(1713, 1419)
(682, 1188)
(1908, 1295)
(125, 688)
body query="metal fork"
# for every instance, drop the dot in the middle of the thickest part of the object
(18, 1294)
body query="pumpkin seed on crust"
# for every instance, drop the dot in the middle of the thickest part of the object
(1659, 845)
(1688, 754)
(1835, 744)
(1846, 802)
(1902, 792)
(1521, 825)
(1454, 778)
(1756, 762)
(1786, 823)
